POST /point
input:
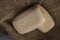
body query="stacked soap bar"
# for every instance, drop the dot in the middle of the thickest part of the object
(32, 18)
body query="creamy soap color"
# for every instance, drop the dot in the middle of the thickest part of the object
(32, 18)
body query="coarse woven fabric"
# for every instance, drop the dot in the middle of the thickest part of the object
(9, 9)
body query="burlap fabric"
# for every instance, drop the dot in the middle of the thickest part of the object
(9, 9)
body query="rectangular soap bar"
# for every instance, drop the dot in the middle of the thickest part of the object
(49, 22)
(32, 18)
(29, 20)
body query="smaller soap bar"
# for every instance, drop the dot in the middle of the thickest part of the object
(49, 22)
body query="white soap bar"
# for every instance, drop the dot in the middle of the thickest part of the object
(48, 24)
(30, 19)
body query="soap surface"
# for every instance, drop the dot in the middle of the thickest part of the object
(49, 22)
(33, 18)
(28, 20)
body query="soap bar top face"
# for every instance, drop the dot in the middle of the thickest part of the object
(28, 20)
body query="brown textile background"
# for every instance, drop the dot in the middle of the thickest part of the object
(9, 9)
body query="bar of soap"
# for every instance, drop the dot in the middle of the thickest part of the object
(48, 24)
(32, 18)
